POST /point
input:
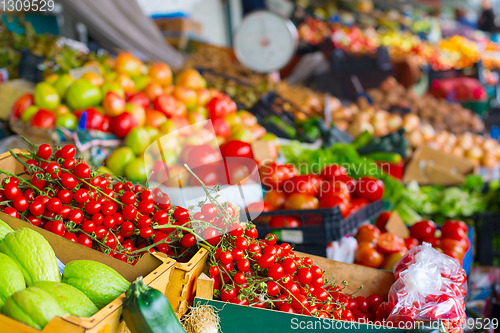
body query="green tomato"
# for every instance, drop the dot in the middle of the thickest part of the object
(114, 87)
(46, 96)
(136, 170)
(141, 82)
(62, 84)
(83, 94)
(119, 159)
(154, 133)
(29, 113)
(105, 170)
(68, 121)
(138, 140)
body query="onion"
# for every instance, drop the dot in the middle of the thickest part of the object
(427, 132)
(415, 139)
(334, 103)
(475, 153)
(411, 122)
(358, 127)
(362, 117)
(201, 319)
(457, 151)
(342, 113)
(434, 145)
(489, 160)
(478, 139)
(452, 139)
(394, 122)
(446, 148)
(380, 115)
(441, 137)
(489, 144)
(465, 141)
(342, 125)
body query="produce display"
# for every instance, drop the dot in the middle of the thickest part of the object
(33, 291)
(332, 187)
(381, 249)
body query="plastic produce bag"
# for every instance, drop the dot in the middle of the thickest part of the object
(343, 250)
(430, 286)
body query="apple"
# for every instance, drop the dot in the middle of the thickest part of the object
(28, 113)
(46, 96)
(94, 78)
(113, 104)
(110, 76)
(61, 110)
(234, 120)
(153, 133)
(122, 124)
(126, 83)
(166, 143)
(138, 112)
(128, 64)
(138, 140)
(141, 82)
(83, 94)
(153, 90)
(139, 98)
(161, 74)
(187, 96)
(95, 118)
(114, 87)
(191, 79)
(155, 118)
(62, 84)
(204, 96)
(21, 104)
(69, 121)
(247, 119)
(118, 160)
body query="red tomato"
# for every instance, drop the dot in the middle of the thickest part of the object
(220, 106)
(357, 204)
(273, 175)
(369, 188)
(349, 181)
(221, 127)
(122, 124)
(284, 222)
(411, 243)
(167, 104)
(389, 243)
(43, 119)
(335, 188)
(94, 118)
(275, 198)
(196, 156)
(259, 207)
(333, 201)
(423, 229)
(139, 98)
(236, 148)
(382, 219)
(21, 104)
(304, 184)
(367, 233)
(208, 174)
(301, 201)
(332, 171)
(454, 229)
(451, 245)
(367, 255)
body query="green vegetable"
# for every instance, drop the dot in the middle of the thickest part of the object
(4, 229)
(33, 254)
(11, 278)
(32, 306)
(287, 129)
(385, 157)
(147, 310)
(362, 140)
(69, 298)
(99, 282)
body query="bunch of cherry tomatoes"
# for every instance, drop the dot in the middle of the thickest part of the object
(62, 194)
(260, 273)
(331, 188)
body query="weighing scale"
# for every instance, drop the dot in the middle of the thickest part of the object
(265, 41)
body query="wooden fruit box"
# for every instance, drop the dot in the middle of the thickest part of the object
(156, 270)
(182, 287)
(235, 318)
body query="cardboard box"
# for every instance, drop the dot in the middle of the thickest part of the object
(243, 319)
(179, 27)
(432, 167)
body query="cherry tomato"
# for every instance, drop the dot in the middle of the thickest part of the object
(362, 304)
(108, 208)
(44, 151)
(12, 190)
(369, 188)
(100, 232)
(58, 228)
(267, 260)
(53, 169)
(82, 170)
(146, 207)
(65, 196)
(54, 205)
(423, 229)
(84, 240)
(127, 229)
(228, 293)
(276, 272)
(243, 265)
(37, 208)
(451, 245)
(450, 227)
(374, 301)
(88, 226)
(252, 233)
(20, 203)
(68, 164)
(289, 266)
(275, 198)
(68, 151)
(81, 195)
(68, 181)
(330, 172)
(11, 211)
(76, 216)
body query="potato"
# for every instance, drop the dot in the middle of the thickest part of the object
(358, 127)
(411, 122)
(415, 138)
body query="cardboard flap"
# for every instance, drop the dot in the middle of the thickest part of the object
(437, 174)
(396, 226)
(261, 150)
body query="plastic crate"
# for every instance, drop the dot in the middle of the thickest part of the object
(486, 228)
(30, 66)
(271, 105)
(342, 62)
(318, 226)
(340, 84)
(474, 72)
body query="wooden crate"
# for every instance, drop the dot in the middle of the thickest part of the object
(182, 287)
(108, 319)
